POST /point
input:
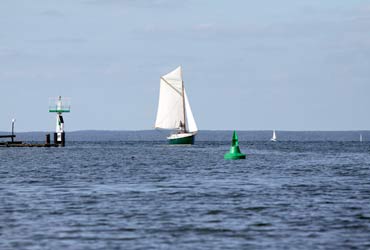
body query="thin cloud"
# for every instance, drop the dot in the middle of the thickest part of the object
(205, 27)
(138, 3)
(52, 13)
(12, 54)
(70, 40)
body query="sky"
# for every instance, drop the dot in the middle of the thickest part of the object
(247, 65)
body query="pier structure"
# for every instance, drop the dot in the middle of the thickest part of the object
(56, 105)
(10, 136)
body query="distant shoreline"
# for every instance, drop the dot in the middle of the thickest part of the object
(206, 130)
(203, 135)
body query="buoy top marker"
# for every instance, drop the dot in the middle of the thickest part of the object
(234, 153)
(235, 141)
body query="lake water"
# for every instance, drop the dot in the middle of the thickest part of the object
(149, 195)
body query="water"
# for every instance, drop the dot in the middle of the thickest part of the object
(148, 195)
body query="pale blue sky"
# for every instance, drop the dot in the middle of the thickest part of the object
(285, 65)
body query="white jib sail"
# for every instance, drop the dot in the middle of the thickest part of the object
(191, 126)
(273, 135)
(170, 107)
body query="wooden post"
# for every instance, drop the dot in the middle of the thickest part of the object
(63, 139)
(47, 139)
(55, 138)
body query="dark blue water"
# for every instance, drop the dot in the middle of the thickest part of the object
(144, 195)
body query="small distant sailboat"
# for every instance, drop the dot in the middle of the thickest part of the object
(273, 138)
(360, 137)
(174, 110)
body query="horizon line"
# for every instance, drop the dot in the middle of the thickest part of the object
(204, 130)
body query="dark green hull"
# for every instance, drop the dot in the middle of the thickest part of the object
(183, 140)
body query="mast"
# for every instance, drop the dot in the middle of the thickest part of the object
(183, 105)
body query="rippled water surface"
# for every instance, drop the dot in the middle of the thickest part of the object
(144, 195)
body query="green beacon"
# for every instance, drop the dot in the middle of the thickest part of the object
(234, 153)
(59, 106)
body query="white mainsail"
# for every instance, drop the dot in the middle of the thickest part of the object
(173, 107)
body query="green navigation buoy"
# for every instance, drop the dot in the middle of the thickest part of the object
(234, 153)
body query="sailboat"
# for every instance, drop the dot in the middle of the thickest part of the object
(273, 136)
(174, 110)
(360, 137)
